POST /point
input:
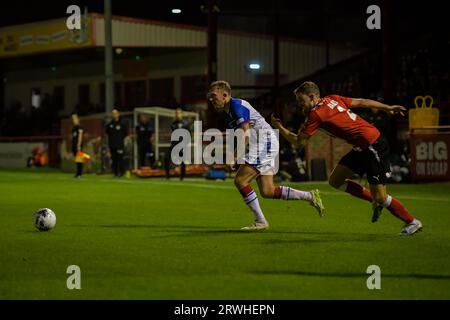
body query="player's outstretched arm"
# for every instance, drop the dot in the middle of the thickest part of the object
(302, 140)
(285, 133)
(368, 103)
(298, 140)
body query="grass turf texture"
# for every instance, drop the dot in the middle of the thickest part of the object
(156, 239)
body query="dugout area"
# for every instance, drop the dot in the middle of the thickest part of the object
(96, 144)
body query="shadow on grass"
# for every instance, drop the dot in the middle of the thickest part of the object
(145, 226)
(207, 229)
(352, 274)
(180, 230)
(321, 237)
(268, 237)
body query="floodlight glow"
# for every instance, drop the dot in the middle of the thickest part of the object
(254, 66)
(176, 11)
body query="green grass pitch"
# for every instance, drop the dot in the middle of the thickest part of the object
(155, 239)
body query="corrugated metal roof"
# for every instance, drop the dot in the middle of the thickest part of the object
(235, 49)
(130, 32)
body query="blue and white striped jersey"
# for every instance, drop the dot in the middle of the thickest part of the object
(240, 112)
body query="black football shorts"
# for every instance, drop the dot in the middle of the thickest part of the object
(372, 161)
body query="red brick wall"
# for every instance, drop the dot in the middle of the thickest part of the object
(326, 147)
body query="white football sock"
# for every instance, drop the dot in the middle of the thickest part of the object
(287, 193)
(251, 200)
(387, 201)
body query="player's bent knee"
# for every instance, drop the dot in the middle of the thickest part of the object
(267, 193)
(239, 183)
(379, 198)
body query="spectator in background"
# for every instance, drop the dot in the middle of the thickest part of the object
(38, 159)
(401, 164)
(379, 119)
(172, 103)
(117, 130)
(144, 136)
(292, 162)
(77, 142)
(383, 123)
(178, 123)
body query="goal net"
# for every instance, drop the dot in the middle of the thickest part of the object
(161, 120)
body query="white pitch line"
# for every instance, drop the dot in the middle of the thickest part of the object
(208, 186)
(168, 183)
(40, 176)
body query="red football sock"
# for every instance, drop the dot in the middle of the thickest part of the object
(277, 193)
(251, 200)
(398, 210)
(357, 190)
(245, 191)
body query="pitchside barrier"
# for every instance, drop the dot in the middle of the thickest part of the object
(430, 153)
(22, 152)
(429, 142)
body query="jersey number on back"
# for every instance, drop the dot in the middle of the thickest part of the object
(332, 104)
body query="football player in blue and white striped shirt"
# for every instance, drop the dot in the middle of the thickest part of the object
(260, 160)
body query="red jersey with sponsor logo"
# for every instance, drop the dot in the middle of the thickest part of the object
(332, 114)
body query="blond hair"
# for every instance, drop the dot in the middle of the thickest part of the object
(221, 85)
(307, 88)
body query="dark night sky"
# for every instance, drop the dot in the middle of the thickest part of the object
(304, 19)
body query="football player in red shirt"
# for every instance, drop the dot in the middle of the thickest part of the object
(370, 154)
